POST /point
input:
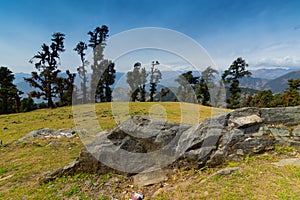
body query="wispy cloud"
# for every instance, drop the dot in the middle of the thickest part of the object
(278, 62)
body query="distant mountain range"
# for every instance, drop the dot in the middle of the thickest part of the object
(270, 73)
(261, 79)
(276, 85)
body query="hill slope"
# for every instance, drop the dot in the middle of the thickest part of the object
(277, 85)
(21, 165)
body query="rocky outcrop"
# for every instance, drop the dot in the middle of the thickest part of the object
(144, 144)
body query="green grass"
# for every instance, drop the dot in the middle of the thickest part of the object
(23, 164)
(258, 179)
(14, 126)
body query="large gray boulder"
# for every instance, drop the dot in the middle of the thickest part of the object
(142, 144)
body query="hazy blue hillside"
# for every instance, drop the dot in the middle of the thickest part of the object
(254, 83)
(279, 84)
(269, 73)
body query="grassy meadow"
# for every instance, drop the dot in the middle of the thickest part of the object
(22, 164)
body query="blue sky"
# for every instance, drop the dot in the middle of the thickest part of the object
(265, 33)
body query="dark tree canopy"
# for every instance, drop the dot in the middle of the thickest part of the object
(155, 77)
(208, 75)
(103, 72)
(9, 94)
(137, 79)
(46, 63)
(98, 36)
(291, 95)
(202, 92)
(187, 86)
(265, 98)
(231, 76)
(64, 88)
(81, 48)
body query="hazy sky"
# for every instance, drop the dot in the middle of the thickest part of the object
(265, 33)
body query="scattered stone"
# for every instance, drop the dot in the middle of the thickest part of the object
(51, 133)
(226, 171)
(206, 193)
(0, 142)
(288, 161)
(150, 178)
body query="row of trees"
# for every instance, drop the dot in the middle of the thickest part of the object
(196, 89)
(103, 70)
(50, 84)
(137, 79)
(266, 98)
(199, 88)
(46, 79)
(56, 88)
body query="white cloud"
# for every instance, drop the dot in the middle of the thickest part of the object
(275, 62)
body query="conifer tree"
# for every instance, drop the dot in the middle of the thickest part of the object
(46, 64)
(231, 76)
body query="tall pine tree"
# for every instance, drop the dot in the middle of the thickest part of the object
(155, 77)
(81, 48)
(137, 79)
(64, 88)
(97, 43)
(187, 85)
(46, 63)
(9, 94)
(231, 76)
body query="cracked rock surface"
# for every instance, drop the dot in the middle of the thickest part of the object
(152, 143)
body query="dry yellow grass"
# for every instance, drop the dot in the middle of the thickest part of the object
(21, 165)
(14, 126)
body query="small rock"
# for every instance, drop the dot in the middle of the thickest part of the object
(242, 122)
(288, 161)
(150, 178)
(240, 152)
(226, 171)
(205, 193)
(0, 142)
